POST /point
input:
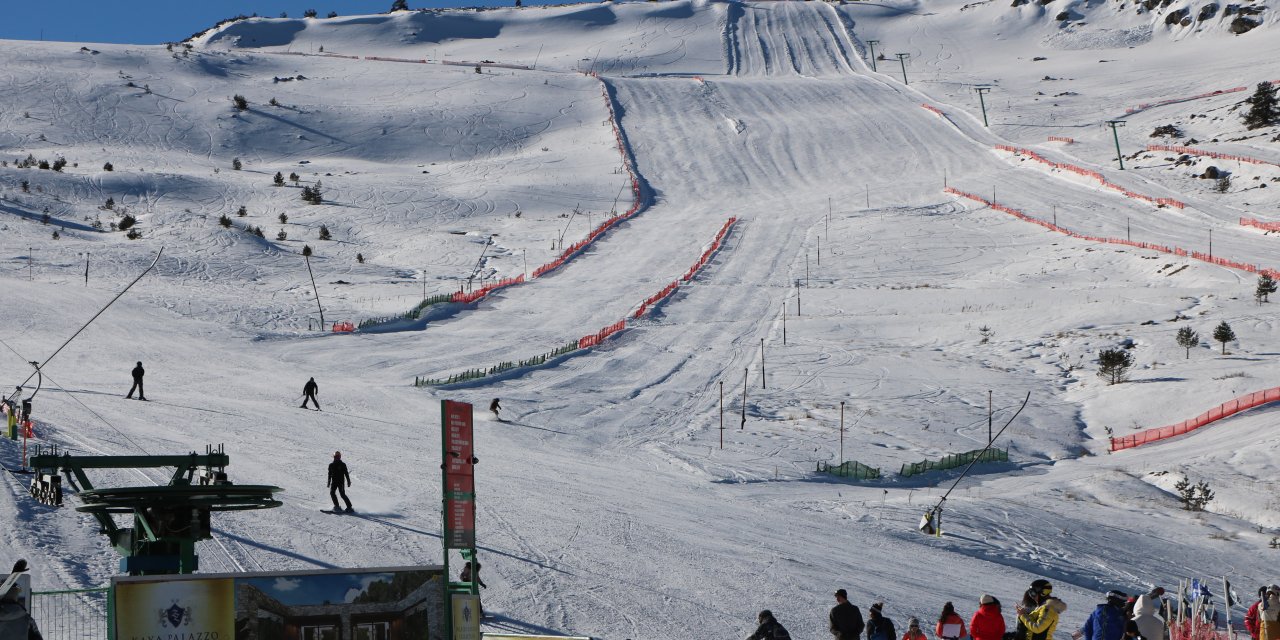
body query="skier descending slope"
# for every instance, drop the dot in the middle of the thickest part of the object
(337, 474)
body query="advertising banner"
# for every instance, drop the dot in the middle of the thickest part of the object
(398, 603)
(466, 616)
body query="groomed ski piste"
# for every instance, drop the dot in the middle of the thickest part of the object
(606, 506)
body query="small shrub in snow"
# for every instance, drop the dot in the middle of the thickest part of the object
(332, 14)
(282, 236)
(257, 231)
(242, 211)
(224, 221)
(109, 204)
(240, 103)
(399, 5)
(1223, 333)
(1187, 338)
(108, 167)
(987, 334)
(1114, 365)
(235, 164)
(294, 178)
(360, 258)
(309, 13)
(273, 102)
(56, 235)
(278, 180)
(324, 233)
(126, 222)
(133, 234)
(58, 164)
(284, 218)
(306, 251)
(26, 186)
(1223, 184)
(1194, 497)
(44, 164)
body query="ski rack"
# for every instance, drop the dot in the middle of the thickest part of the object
(168, 520)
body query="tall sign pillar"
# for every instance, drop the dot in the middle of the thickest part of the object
(457, 452)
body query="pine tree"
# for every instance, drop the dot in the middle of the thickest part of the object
(240, 103)
(224, 221)
(1266, 287)
(1186, 493)
(110, 203)
(1187, 338)
(293, 177)
(1114, 364)
(307, 194)
(108, 167)
(235, 164)
(324, 233)
(1223, 333)
(278, 180)
(242, 211)
(399, 5)
(1265, 110)
(284, 218)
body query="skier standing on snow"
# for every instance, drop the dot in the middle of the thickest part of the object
(878, 626)
(1251, 617)
(1269, 615)
(495, 407)
(16, 622)
(1031, 600)
(337, 474)
(470, 572)
(769, 628)
(1107, 620)
(987, 622)
(950, 624)
(913, 631)
(846, 619)
(1040, 622)
(309, 393)
(1150, 626)
(137, 372)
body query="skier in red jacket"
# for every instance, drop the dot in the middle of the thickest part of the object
(987, 622)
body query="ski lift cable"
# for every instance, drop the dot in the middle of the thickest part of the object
(99, 417)
(95, 317)
(984, 450)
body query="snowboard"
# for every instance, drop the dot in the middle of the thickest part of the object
(339, 512)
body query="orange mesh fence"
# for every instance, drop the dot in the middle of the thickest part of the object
(1229, 408)
(1195, 151)
(1159, 202)
(1218, 260)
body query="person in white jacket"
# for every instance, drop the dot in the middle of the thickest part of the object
(1150, 626)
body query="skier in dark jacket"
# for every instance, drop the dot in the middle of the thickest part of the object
(16, 622)
(1107, 620)
(137, 372)
(337, 474)
(846, 619)
(878, 626)
(1031, 600)
(309, 393)
(769, 628)
(495, 407)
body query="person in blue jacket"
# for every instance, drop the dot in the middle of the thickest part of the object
(1107, 620)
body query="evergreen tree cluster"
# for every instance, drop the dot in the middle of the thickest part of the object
(1264, 108)
(1194, 497)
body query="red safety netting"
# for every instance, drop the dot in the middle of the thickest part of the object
(1209, 154)
(344, 327)
(1229, 408)
(1159, 202)
(1269, 226)
(933, 109)
(1210, 94)
(1061, 139)
(476, 294)
(1225, 262)
(385, 59)
(688, 275)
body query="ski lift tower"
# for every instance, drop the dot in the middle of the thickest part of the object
(168, 520)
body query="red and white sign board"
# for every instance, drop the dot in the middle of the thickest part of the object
(459, 475)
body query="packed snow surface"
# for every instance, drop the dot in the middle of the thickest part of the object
(607, 505)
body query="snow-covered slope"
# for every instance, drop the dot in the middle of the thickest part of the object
(606, 503)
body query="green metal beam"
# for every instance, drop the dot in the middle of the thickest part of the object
(130, 462)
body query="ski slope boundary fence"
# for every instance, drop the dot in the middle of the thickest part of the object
(1193, 151)
(637, 207)
(77, 614)
(1159, 202)
(1226, 409)
(1266, 226)
(1204, 257)
(591, 339)
(951, 461)
(850, 469)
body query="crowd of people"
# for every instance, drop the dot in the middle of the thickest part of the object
(1035, 617)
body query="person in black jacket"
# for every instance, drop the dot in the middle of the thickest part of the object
(878, 626)
(846, 619)
(769, 628)
(137, 372)
(309, 393)
(337, 474)
(16, 622)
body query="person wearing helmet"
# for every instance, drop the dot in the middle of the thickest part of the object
(1031, 600)
(16, 622)
(1043, 620)
(1107, 620)
(769, 629)
(337, 475)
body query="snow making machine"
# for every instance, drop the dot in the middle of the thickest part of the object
(167, 519)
